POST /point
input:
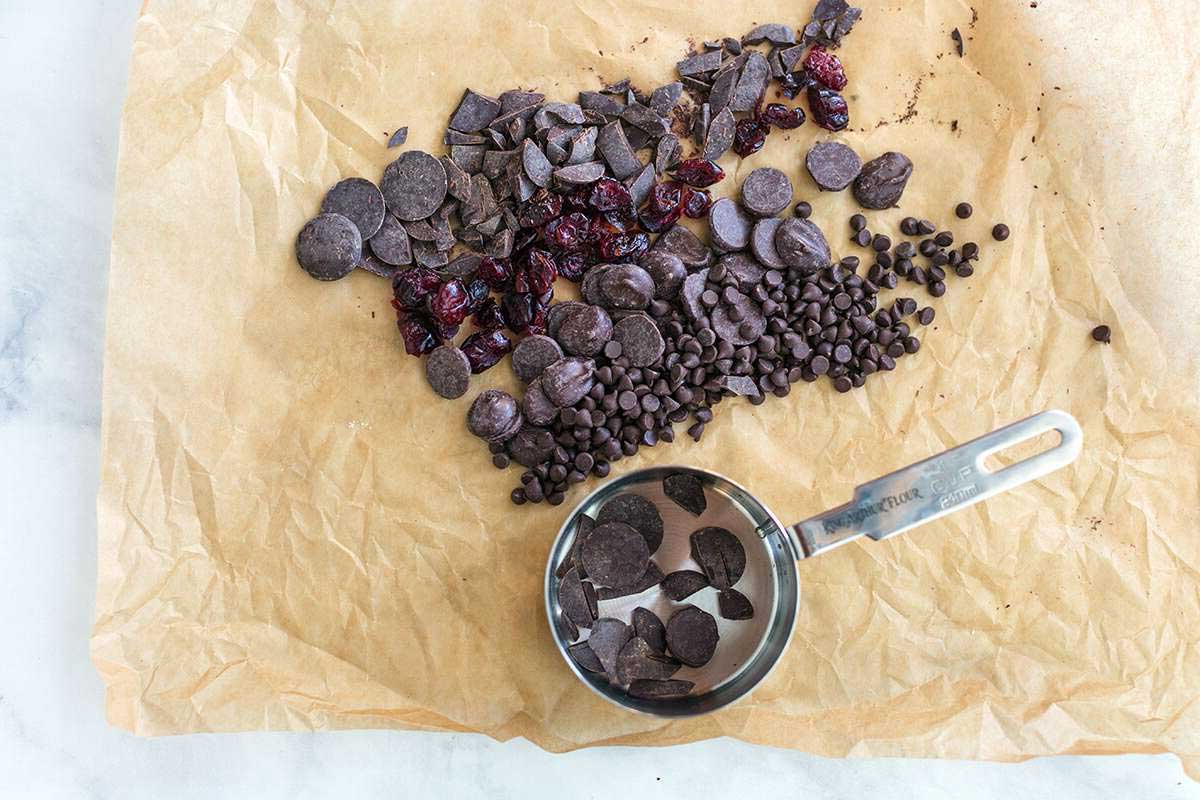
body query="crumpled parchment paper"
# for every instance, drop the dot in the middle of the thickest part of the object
(294, 533)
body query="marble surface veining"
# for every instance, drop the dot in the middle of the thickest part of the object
(63, 66)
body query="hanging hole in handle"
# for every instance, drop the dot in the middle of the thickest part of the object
(1022, 451)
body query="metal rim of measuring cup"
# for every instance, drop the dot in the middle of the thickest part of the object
(784, 555)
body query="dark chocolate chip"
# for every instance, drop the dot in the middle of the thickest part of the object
(963, 210)
(803, 210)
(1102, 334)
(1000, 232)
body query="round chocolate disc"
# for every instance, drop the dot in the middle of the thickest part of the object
(641, 341)
(614, 554)
(692, 636)
(762, 243)
(558, 314)
(729, 226)
(414, 185)
(533, 354)
(748, 326)
(743, 268)
(721, 554)
(766, 192)
(494, 416)
(585, 331)
(667, 271)
(448, 371)
(329, 247)
(358, 200)
(832, 165)
(626, 286)
(639, 513)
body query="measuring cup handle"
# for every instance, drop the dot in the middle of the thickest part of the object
(941, 484)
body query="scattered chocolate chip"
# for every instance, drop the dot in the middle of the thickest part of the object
(766, 192)
(329, 246)
(720, 553)
(832, 165)
(399, 137)
(636, 512)
(692, 636)
(963, 210)
(803, 210)
(1000, 232)
(1102, 334)
(732, 603)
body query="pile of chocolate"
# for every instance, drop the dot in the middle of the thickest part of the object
(594, 192)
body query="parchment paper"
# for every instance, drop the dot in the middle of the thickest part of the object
(294, 533)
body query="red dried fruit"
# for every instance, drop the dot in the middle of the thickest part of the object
(540, 209)
(441, 329)
(828, 108)
(524, 238)
(478, 291)
(576, 199)
(826, 67)
(699, 172)
(624, 247)
(449, 304)
(573, 266)
(749, 137)
(665, 198)
(489, 315)
(567, 232)
(782, 116)
(412, 286)
(696, 203)
(540, 271)
(484, 349)
(419, 337)
(537, 325)
(793, 83)
(656, 222)
(518, 310)
(599, 227)
(496, 272)
(609, 194)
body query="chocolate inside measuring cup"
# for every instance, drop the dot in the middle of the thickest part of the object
(747, 648)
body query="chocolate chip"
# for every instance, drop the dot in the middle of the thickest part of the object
(925, 315)
(766, 192)
(607, 638)
(358, 200)
(329, 246)
(881, 181)
(720, 553)
(585, 331)
(640, 340)
(639, 513)
(803, 210)
(735, 605)
(650, 628)
(963, 210)
(802, 246)
(448, 371)
(1000, 232)
(944, 239)
(414, 185)
(660, 690)
(833, 166)
(1102, 334)
(692, 636)
(533, 354)
(970, 251)
(686, 491)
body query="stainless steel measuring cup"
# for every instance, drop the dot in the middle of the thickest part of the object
(880, 509)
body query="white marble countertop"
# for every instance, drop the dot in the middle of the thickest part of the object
(63, 68)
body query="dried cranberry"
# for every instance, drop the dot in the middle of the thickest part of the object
(442, 330)
(524, 238)
(609, 194)
(419, 337)
(576, 199)
(625, 246)
(696, 203)
(828, 108)
(793, 83)
(573, 266)
(412, 286)
(599, 227)
(781, 116)
(449, 304)
(699, 172)
(489, 315)
(540, 209)
(484, 349)
(478, 291)
(567, 232)
(496, 272)
(537, 325)
(657, 222)
(666, 197)
(544, 299)
(540, 271)
(825, 67)
(518, 310)
(749, 137)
